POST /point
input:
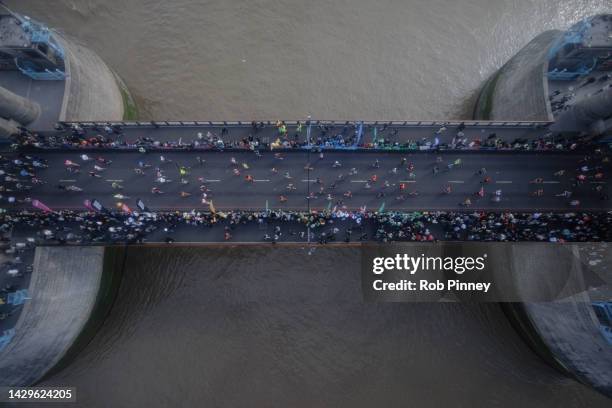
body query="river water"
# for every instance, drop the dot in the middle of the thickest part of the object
(261, 327)
(277, 327)
(333, 59)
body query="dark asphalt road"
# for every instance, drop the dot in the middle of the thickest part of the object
(510, 172)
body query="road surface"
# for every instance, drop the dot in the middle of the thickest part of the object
(510, 172)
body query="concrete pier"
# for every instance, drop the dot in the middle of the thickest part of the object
(567, 324)
(63, 290)
(91, 89)
(518, 91)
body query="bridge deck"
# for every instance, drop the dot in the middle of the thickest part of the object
(350, 132)
(511, 172)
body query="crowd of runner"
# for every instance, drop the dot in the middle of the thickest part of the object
(24, 174)
(279, 225)
(282, 136)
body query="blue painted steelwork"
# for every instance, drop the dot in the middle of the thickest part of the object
(18, 297)
(41, 40)
(575, 35)
(603, 310)
(6, 338)
(359, 134)
(565, 75)
(46, 75)
(607, 333)
(40, 34)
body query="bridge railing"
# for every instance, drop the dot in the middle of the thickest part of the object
(242, 124)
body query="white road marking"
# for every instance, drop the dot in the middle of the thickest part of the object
(118, 181)
(212, 181)
(456, 181)
(67, 181)
(261, 181)
(551, 182)
(308, 181)
(407, 181)
(359, 181)
(503, 182)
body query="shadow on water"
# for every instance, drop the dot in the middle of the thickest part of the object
(260, 326)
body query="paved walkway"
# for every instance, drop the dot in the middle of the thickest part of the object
(48, 94)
